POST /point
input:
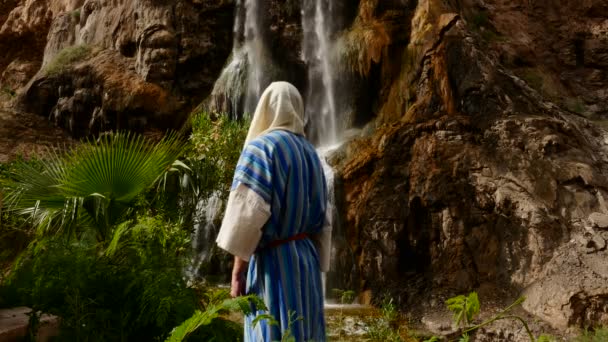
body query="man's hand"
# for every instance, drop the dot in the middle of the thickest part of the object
(239, 277)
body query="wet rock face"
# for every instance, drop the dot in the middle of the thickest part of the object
(473, 177)
(176, 48)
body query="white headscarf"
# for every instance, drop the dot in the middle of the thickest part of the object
(280, 107)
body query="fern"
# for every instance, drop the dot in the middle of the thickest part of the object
(212, 313)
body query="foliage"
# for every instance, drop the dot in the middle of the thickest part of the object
(215, 148)
(9, 91)
(76, 15)
(212, 314)
(94, 186)
(345, 296)
(385, 328)
(464, 308)
(575, 105)
(217, 144)
(480, 19)
(534, 79)
(14, 230)
(546, 338)
(598, 334)
(66, 58)
(133, 292)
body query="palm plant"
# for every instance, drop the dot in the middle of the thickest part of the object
(92, 188)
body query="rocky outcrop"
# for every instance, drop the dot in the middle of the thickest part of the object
(165, 54)
(470, 176)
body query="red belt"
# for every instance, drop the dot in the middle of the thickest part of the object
(275, 243)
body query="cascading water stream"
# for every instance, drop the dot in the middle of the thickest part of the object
(207, 212)
(317, 54)
(243, 79)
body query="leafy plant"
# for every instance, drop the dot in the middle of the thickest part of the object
(134, 292)
(66, 58)
(217, 143)
(345, 296)
(211, 314)
(93, 187)
(385, 328)
(464, 308)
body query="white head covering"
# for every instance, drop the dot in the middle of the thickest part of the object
(280, 107)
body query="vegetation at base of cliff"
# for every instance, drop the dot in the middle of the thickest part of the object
(599, 334)
(66, 58)
(106, 252)
(15, 231)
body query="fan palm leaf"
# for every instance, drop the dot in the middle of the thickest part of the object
(94, 185)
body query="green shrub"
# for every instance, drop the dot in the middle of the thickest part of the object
(215, 147)
(134, 291)
(66, 58)
(386, 327)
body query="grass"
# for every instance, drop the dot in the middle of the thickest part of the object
(599, 334)
(66, 58)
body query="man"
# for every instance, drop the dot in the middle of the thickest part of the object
(276, 224)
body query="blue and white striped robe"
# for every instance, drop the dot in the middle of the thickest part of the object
(285, 170)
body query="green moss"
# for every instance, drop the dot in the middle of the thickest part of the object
(480, 19)
(575, 105)
(534, 79)
(76, 15)
(66, 58)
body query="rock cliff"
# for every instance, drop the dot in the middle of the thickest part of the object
(480, 167)
(96, 65)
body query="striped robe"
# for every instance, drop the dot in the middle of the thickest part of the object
(285, 170)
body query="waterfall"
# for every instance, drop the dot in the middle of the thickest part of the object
(244, 77)
(250, 70)
(321, 109)
(207, 212)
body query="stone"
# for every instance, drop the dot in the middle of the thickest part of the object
(14, 325)
(599, 220)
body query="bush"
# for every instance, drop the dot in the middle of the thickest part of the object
(133, 290)
(215, 147)
(66, 58)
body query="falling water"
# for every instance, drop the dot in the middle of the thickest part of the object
(317, 54)
(244, 77)
(205, 230)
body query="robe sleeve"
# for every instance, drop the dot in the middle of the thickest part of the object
(246, 214)
(248, 207)
(322, 241)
